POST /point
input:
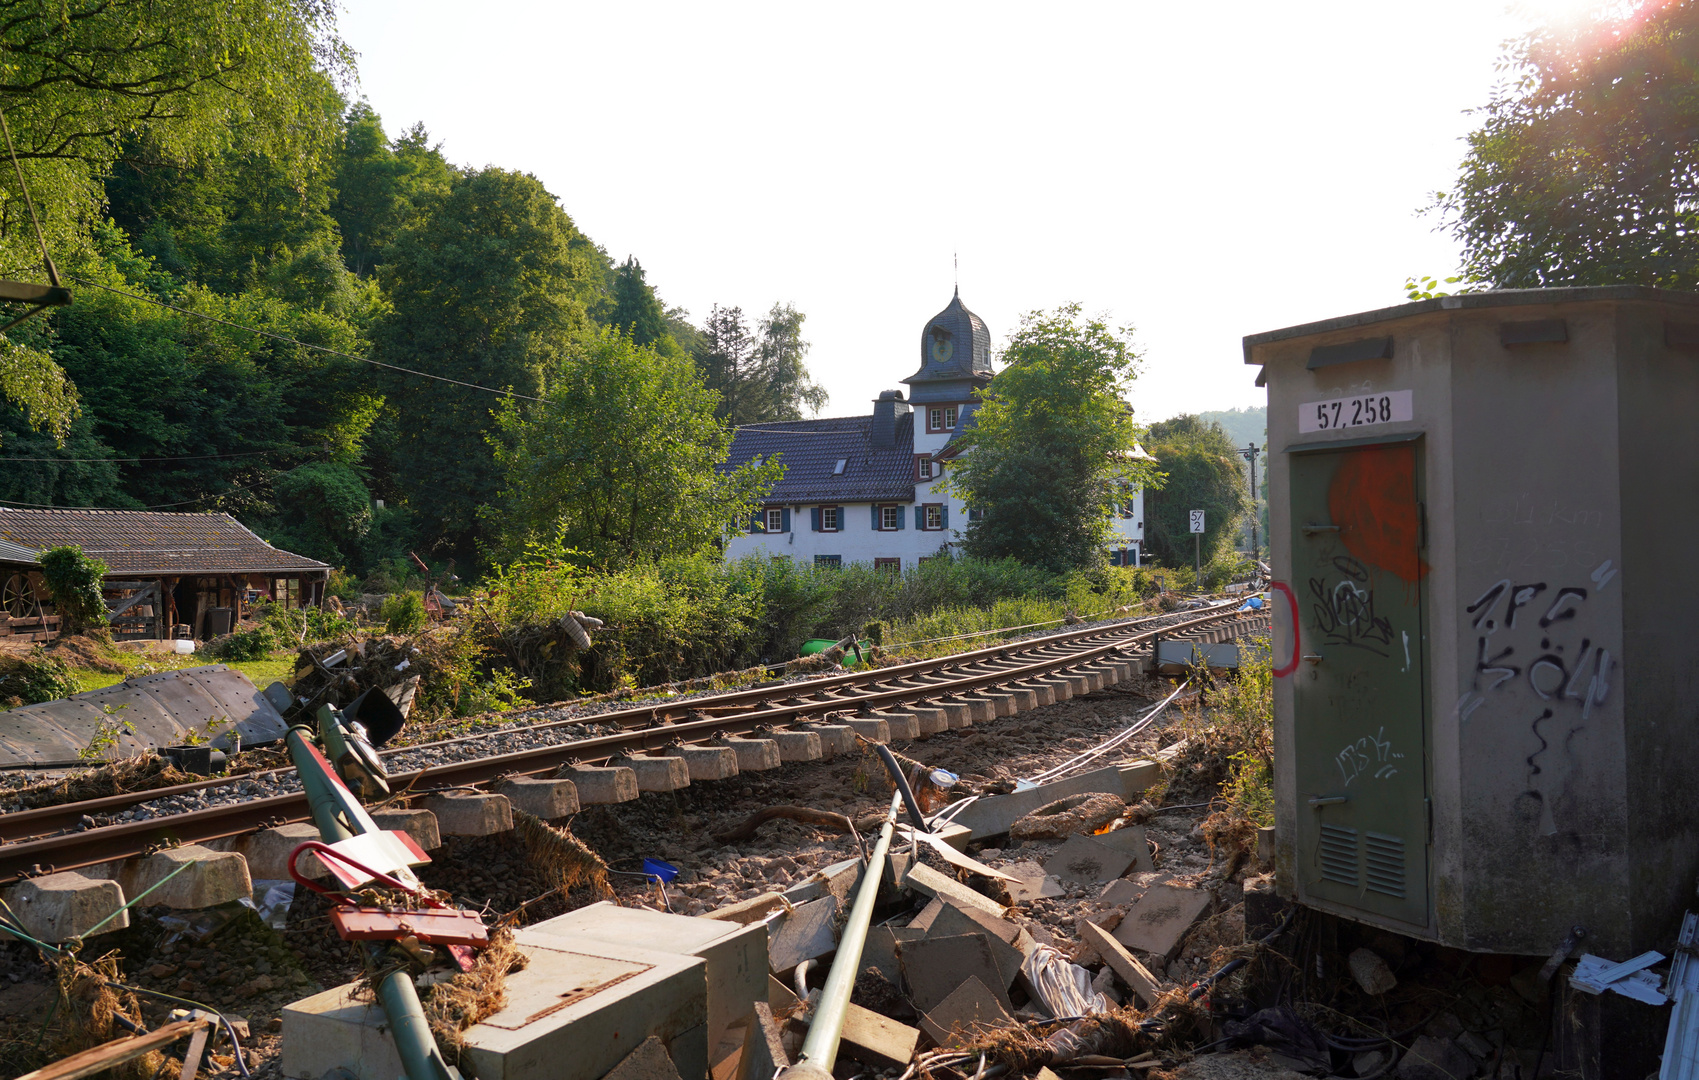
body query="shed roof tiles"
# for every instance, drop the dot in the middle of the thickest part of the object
(152, 543)
(811, 449)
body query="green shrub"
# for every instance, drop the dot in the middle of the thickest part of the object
(254, 644)
(74, 580)
(403, 613)
(295, 627)
(342, 585)
(30, 680)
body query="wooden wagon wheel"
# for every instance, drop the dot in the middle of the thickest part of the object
(17, 598)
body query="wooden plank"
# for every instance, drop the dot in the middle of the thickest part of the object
(29, 293)
(116, 1052)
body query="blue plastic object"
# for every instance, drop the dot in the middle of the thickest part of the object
(660, 871)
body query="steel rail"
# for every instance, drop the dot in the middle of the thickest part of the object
(110, 843)
(50, 820)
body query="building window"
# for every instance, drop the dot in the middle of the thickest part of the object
(775, 521)
(828, 560)
(894, 566)
(828, 519)
(838, 469)
(932, 518)
(940, 418)
(924, 468)
(890, 518)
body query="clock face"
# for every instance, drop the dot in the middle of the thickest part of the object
(942, 347)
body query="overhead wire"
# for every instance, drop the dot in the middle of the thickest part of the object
(154, 506)
(173, 457)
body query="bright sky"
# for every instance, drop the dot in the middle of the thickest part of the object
(1199, 171)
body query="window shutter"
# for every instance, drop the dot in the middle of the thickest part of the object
(920, 517)
(900, 519)
(816, 515)
(875, 517)
(755, 521)
(784, 521)
(946, 512)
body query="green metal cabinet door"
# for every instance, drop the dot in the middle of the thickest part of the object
(1358, 573)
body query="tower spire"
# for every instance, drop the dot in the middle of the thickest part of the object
(956, 261)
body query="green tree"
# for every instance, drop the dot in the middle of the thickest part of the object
(382, 185)
(759, 377)
(1202, 470)
(780, 371)
(1048, 452)
(1585, 170)
(636, 311)
(74, 580)
(489, 289)
(325, 512)
(620, 462)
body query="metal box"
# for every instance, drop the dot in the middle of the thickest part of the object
(1482, 515)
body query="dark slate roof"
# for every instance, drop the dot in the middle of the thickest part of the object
(152, 544)
(965, 420)
(811, 448)
(954, 345)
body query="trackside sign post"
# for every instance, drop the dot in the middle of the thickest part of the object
(1197, 545)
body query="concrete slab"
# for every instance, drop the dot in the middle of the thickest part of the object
(541, 798)
(836, 880)
(1130, 839)
(600, 785)
(58, 907)
(753, 755)
(904, 727)
(648, 1062)
(421, 825)
(1118, 892)
(1137, 977)
(835, 739)
(613, 999)
(805, 934)
(994, 814)
(935, 966)
(656, 773)
(1084, 860)
(931, 719)
(968, 1010)
(877, 1041)
(872, 730)
(213, 877)
(735, 955)
(880, 952)
(952, 921)
(1031, 882)
(798, 745)
(470, 813)
(764, 1053)
(929, 882)
(267, 852)
(707, 762)
(1160, 918)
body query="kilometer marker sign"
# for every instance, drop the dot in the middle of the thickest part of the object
(1359, 410)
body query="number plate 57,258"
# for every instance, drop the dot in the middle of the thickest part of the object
(1357, 411)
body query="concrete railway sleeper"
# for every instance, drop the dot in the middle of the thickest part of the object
(74, 879)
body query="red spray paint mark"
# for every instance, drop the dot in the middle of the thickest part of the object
(1373, 501)
(1292, 602)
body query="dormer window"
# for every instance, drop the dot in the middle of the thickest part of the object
(838, 469)
(940, 418)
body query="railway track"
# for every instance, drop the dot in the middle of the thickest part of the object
(49, 839)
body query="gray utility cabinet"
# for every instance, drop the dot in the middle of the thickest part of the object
(1484, 516)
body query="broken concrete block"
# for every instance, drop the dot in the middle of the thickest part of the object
(877, 1041)
(656, 773)
(58, 907)
(835, 739)
(781, 999)
(1130, 839)
(1031, 882)
(600, 785)
(1118, 892)
(1371, 972)
(1434, 1058)
(212, 878)
(421, 825)
(541, 798)
(798, 745)
(268, 850)
(835, 880)
(1070, 815)
(869, 728)
(934, 967)
(1137, 977)
(998, 813)
(1160, 918)
(648, 1062)
(952, 921)
(1083, 859)
(764, 1053)
(923, 879)
(470, 813)
(804, 934)
(969, 1009)
(707, 762)
(753, 755)
(880, 952)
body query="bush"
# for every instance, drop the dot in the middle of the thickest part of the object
(343, 586)
(403, 613)
(30, 680)
(294, 627)
(254, 644)
(74, 580)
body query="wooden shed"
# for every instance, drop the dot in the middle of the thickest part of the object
(169, 575)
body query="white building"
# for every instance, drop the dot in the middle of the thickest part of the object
(866, 488)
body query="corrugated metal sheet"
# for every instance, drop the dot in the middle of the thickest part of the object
(16, 553)
(162, 708)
